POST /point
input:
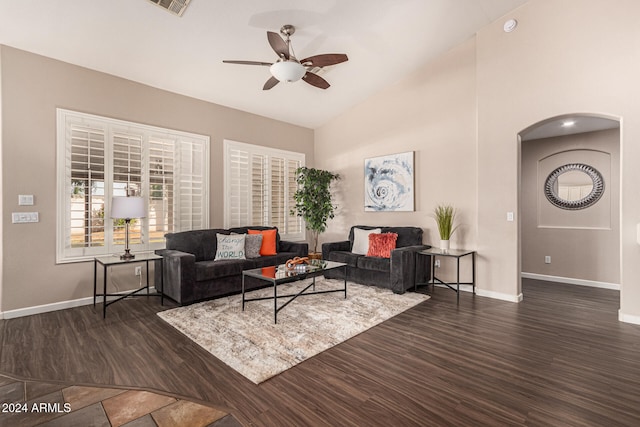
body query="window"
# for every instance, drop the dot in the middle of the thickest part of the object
(99, 158)
(259, 186)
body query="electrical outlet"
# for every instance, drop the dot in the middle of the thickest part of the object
(547, 259)
(437, 263)
(138, 271)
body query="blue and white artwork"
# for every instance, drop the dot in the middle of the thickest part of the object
(388, 183)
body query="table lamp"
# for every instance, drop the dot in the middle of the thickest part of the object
(127, 208)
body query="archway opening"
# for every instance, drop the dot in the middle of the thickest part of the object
(569, 198)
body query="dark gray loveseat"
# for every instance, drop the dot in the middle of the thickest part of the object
(397, 273)
(191, 274)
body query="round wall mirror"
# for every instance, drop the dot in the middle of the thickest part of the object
(574, 186)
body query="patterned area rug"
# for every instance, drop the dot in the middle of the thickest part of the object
(253, 345)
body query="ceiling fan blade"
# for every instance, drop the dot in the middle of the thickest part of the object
(325, 60)
(278, 44)
(315, 80)
(267, 64)
(270, 83)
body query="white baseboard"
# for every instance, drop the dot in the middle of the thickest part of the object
(571, 281)
(499, 295)
(63, 305)
(489, 294)
(628, 318)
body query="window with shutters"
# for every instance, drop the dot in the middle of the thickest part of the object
(259, 186)
(99, 158)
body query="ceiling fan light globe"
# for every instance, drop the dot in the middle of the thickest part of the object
(287, 71)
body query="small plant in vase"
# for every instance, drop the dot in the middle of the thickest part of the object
(445, 216)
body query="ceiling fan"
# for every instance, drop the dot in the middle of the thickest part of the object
(287, 68)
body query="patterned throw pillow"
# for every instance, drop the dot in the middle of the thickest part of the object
(230, 246)
(252, 244)
(361, 240)
(381, 245)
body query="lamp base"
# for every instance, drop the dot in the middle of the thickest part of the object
(127, 255)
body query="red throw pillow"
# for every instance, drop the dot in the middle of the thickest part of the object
(268, 246)
(381, 245)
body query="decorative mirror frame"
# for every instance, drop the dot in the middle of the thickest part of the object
(591, 198)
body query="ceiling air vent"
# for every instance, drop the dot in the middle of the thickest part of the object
(177, 7)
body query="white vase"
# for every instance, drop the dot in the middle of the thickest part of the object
(444, 245)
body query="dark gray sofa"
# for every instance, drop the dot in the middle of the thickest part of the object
(191, 274)
(397, 273)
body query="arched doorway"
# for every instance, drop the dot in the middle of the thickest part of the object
(570, 200)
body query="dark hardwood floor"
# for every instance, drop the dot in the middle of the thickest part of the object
(559, 358)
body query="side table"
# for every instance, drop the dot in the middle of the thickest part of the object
(452, 253)
(111, 260)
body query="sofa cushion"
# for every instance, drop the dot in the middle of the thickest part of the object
(374, 263)
(230, 246)
(361, 240)
(407, 236)
(208, 270)
(348, 258)
(201, 243)
(381, 245)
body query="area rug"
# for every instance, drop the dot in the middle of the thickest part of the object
(249, 341)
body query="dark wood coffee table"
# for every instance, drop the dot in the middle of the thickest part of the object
(279, 275)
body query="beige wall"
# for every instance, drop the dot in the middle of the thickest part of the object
(32, 88)
(431, 112)
(462, 115)
(583, 244)
(573, 56)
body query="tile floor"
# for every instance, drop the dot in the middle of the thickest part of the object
(31, 403)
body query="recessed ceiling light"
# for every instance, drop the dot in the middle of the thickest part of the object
(510, 25)
(568, 123)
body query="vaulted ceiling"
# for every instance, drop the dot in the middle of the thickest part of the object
(135, 39)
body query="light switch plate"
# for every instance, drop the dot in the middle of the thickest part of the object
(25, 200)
(24, 217)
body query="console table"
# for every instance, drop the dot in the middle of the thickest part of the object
(451, 253)
(111, 260)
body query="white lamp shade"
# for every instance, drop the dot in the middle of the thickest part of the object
(128, 207)
(287, 71)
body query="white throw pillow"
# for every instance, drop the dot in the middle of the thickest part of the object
(230, 246)
(361, 240)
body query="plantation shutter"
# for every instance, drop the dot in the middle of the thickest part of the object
(293, 225)
(161, 166)
(259, 187)
(99, 158)
(127, 180)
(278, 196)
(259, 190)
(84, 187)
(191, 186)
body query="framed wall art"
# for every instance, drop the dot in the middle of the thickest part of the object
(389, 183)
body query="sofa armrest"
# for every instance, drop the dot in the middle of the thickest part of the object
(403, 267)
(179, 273)
(335, 246)
(301, 249)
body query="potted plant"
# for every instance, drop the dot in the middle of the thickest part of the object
(313, 200)
(445, 216)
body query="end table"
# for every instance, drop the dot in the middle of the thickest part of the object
(452, 253)
(111, 260)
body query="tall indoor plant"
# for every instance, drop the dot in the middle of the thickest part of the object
(313, 200)
(445, 216)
